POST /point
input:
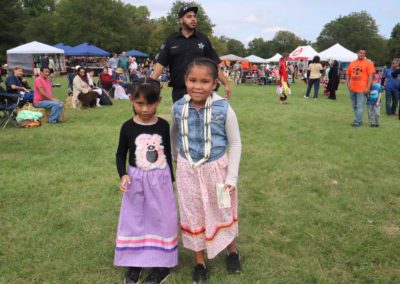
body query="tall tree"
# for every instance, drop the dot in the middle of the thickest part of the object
(285, 41)
(236, 47)
(157, 36)
(354, 31)
(41, 28)
(220, 44)
(262, 48)
(394, 42)
(112, 25)
(36, 8)
(12, 25)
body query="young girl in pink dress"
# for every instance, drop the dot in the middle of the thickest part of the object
(203, 127)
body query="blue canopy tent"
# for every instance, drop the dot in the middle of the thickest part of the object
(86, 49)
(63, 46)
(136, 53)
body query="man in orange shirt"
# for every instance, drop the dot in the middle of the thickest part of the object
(359, 79)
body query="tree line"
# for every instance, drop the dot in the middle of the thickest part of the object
(116, 26)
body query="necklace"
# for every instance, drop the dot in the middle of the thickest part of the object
(207, 131)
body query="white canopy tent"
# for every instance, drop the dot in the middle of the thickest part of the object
(339, 53)
(35, 47)
(274, 58)
(23, 56)
(303, 53)
(231, 57)
(255, 59)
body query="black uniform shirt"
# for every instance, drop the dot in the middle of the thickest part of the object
(178, 52)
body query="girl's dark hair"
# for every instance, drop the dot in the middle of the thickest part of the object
(316, 59)
(335, 63)
(147, 87)
(84, 77)
(203, 61)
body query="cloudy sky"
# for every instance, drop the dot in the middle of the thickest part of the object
(245, 20)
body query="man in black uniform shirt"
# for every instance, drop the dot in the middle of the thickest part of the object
(181, 48)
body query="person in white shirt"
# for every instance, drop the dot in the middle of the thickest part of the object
(133, 69)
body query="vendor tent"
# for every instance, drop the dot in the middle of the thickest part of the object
(255, 59)
(231, 57)
(136, 53)
(274, 58)
(23, 56)
(63, 47)
(86, 49)
(35, 47)
(303, 53)
(339, 53)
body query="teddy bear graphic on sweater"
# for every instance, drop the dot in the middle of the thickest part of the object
(150, 152)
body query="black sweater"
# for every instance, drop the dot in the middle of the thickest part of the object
(129, 133)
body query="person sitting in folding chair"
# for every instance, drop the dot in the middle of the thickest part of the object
(106, 84)
(15, 84)
(106, 80)
(44, 97)
(119, 85)
(8, 107)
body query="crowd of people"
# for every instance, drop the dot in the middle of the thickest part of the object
(364, 82)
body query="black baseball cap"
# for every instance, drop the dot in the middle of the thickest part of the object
(185, 9)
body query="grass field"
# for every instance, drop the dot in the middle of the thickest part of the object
(318, 200)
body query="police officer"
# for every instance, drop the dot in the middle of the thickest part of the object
(181, 48)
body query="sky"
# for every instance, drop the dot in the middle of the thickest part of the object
(245, 20)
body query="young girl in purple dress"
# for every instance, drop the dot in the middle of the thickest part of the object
(147, 230)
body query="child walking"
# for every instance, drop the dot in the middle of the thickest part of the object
(203, 126)
(374, 104)
(147, 229)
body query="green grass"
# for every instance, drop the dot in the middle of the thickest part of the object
(60, 200)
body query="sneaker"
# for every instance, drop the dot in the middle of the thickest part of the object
(233, 262)
(373, 125)
(355, 125)
(132, 275)
(157, 275)
(376, 125)
(306, 97)
(199, 274)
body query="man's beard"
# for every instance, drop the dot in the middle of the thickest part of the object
(188, 27)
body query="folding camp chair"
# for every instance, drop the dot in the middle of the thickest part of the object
(8, 108)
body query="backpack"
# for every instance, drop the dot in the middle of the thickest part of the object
(105, 100)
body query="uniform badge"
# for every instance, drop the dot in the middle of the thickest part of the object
(201, 45)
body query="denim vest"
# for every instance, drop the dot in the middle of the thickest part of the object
(219, 110)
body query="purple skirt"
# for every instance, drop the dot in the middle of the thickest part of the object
(148, 224)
